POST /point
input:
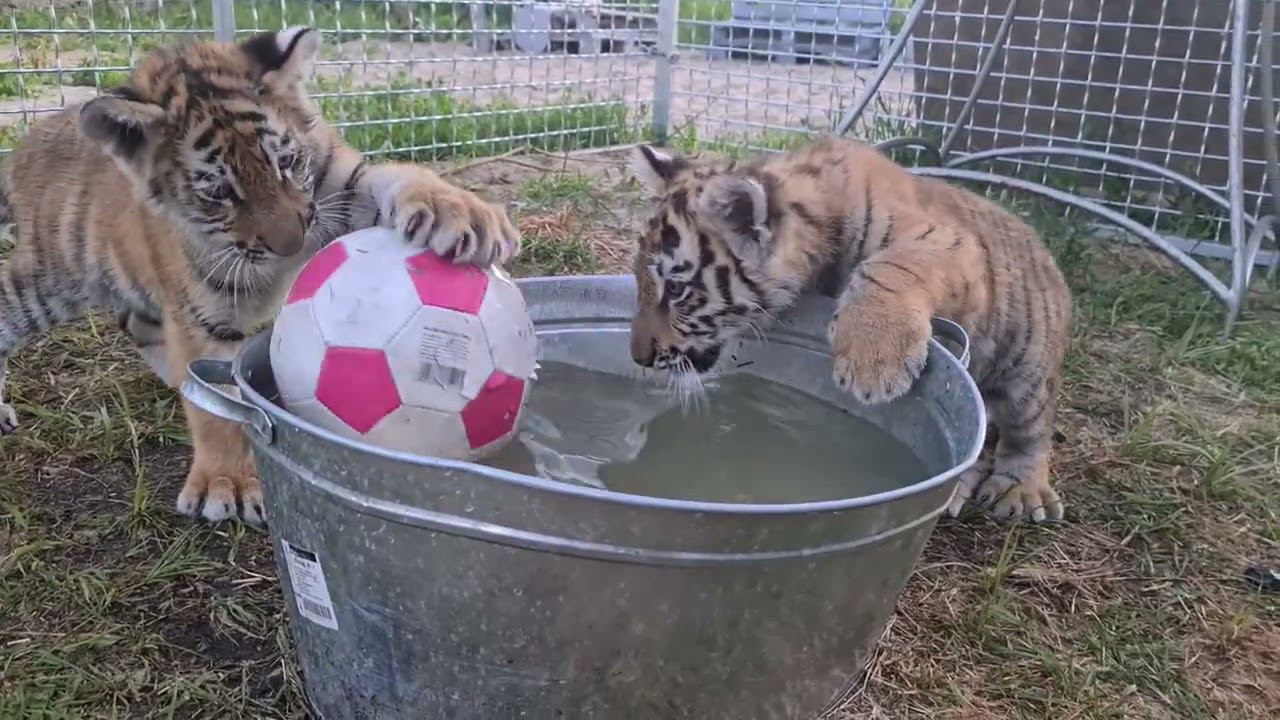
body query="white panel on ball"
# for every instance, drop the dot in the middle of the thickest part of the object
(296, 344)
(411, 429)
(364, 305)
(512, 342)
(439, 359)
(385, 242)
(314, 412)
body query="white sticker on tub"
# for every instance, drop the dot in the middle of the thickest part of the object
(309, 588)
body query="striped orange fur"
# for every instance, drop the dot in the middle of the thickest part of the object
(186, 201)
(729, 246)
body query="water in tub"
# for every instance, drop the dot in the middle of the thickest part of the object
(745, 440)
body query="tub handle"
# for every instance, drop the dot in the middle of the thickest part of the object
(199, 388)
(951, 330)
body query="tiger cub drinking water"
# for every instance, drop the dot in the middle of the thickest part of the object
(730, 246)
(186, 201)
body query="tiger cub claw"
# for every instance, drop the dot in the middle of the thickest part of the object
(218, 497)
(876, 359)
(1036, 501)
(454, 223)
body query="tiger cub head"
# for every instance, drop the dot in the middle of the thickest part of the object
(215, 137)
(703, 269)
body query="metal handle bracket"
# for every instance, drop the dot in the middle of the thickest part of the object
(951, 330)
(200, 390)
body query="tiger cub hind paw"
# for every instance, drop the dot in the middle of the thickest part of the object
(1010, 499)
(8, 420)
(876, 358)
(968, 485)
(218, 497)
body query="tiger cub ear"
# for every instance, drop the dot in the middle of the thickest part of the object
(738, 208)
(124, 123)
(656, 169)
(287, 56)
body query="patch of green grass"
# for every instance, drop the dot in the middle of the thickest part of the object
(737, 146)
(556, 254)
(559, 188)
(696, 18)
(110, 22)
(407, 121)
(899, 16)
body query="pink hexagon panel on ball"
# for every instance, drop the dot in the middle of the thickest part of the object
(316, 273)
(492, 415)
(357, 387)
(442, 284)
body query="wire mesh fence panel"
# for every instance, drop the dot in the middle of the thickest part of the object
(55, 52)
(1123, 80)
(1129, 105)
(425, 80)
(1134, 81)
(763, 73)
(418, 80)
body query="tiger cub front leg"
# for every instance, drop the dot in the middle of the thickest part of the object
(430, 212)
(222, 482)
(880, 332)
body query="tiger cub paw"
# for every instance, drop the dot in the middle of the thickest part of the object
(218, 496)
(877, 356)
(967, 485)
(453, 223)
(1028, 499)
(8, 419)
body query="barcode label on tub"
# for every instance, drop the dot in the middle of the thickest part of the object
(309, 587)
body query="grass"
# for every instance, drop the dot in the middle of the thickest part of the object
(110, 605)
(409, 121)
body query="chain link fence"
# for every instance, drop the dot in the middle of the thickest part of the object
(1154, 116)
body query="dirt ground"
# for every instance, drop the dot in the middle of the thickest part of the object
(1134, 607)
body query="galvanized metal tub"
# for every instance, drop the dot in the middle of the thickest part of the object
(456, 590)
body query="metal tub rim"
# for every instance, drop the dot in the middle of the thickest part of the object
(276, 414)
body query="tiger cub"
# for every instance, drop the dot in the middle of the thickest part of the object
(728, 247)
(186, 201)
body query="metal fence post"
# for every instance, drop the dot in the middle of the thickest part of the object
(668, 21)
(224, 20)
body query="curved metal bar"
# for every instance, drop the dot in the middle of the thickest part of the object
(886, 64)
(1235, 165)
(1206, 278)
(916, 141)
(1266, 46)
(1152, 168)
(984, 69)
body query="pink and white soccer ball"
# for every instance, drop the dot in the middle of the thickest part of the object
(391, 344)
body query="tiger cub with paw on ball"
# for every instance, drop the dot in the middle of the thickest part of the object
(186, 201)
(729, 246)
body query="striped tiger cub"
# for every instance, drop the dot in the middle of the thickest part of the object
(729, 246)
(186, 201)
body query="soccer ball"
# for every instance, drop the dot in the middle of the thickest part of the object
(394, 345)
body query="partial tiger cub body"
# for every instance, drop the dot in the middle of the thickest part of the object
(731, 246)
(186, 201)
